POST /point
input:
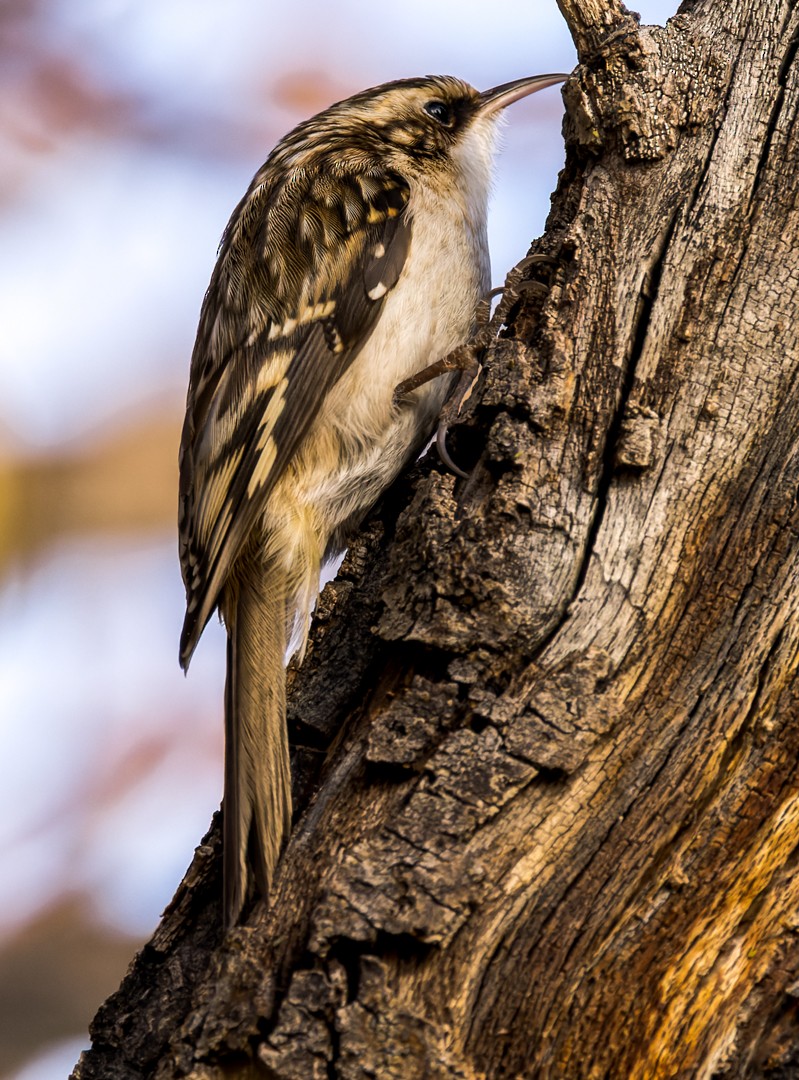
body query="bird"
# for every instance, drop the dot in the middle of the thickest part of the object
(355, 260)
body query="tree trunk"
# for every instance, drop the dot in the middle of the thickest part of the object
(546, 734)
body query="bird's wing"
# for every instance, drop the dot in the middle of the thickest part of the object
(303, 270)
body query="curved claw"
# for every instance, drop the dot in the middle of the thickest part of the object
(532, 286)
(483, 312)
(531, 260)
(443, 453)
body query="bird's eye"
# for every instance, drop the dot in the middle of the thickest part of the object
(440, 112)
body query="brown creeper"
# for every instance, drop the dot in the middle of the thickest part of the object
(356, 258)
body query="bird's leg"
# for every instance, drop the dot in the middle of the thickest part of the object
(466, 358)
(470, 369)
(487, 329)
(515, 284)
(461, 359)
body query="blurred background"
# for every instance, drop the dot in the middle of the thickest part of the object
(128, 132)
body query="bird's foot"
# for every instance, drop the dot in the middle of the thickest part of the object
(466, 359)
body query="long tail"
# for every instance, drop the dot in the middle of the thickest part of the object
(257, 803)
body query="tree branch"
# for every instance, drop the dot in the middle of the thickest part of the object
(596, 23)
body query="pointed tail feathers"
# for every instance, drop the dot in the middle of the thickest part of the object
(257, 803)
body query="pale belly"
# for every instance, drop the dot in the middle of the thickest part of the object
(361, 439)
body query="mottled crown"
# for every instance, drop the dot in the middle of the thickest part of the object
(419, 117)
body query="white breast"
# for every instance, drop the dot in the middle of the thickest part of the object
(426, 315)
(361, 440)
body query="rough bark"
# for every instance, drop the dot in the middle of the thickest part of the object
(547, 733)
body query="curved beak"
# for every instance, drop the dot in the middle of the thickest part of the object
(494, 100)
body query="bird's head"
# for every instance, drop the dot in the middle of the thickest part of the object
(419, 128)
